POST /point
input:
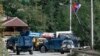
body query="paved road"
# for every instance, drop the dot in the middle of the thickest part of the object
(37, 53)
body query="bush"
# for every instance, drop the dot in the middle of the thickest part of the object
(97, 45)
(3, 50)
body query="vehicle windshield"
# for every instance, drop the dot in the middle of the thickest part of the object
(72, 36)
(68, 42)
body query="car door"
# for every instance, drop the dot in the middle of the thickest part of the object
(56, 44)
(51, 44)
(47, 43)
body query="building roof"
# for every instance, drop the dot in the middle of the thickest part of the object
(14, 22)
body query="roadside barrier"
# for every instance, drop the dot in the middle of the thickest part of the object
(85, 52)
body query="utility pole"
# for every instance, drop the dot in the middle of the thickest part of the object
(92, 26)
(70, 15)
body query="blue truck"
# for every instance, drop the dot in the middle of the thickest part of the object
(62, 43)
(23, 44)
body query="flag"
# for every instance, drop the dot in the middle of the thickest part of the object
(76, 7)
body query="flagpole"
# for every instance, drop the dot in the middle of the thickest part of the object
(70, 15)
(78, 18)
(92, 26)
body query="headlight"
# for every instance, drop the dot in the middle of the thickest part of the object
(64, 45)
(70, 46)
(73, 46)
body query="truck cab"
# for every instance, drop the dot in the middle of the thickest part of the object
(59, 42)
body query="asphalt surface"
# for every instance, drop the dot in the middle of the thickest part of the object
(37, 53)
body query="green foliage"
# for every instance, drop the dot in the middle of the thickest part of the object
(3, 50)
(50, 16)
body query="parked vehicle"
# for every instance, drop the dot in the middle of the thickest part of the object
(61, 43)
(67, 45)
(10, 43)
(38, 42)
(51, 44)
(24, 44)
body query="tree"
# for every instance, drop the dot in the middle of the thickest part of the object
(50, 16)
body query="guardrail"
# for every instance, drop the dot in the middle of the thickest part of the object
(86, 52)
(10, 33)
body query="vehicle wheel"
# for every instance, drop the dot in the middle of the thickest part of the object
(62, 52)
(30, 52)
(43, 49)
(14, 49)
(18, 52)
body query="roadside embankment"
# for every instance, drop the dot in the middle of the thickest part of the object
(84, 53)
(3, 50)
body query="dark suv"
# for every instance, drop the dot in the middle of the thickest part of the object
(67, 45)
(62, 44)
(10, 44)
